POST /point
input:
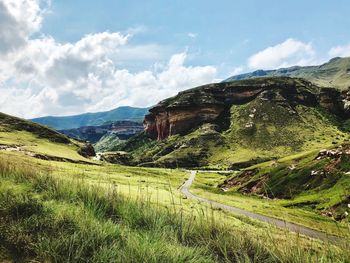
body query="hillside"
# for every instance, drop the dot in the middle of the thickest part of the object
(335, 73)
(21, 136)
(93, 119)
(319, 181)
(311, 188)
(235, 124)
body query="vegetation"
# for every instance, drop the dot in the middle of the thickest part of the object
(108, 142)
(301, 188)
(33, 139)
(269, 126)
(47, 217)
(9, 123)
(58, 206)
(335, 73)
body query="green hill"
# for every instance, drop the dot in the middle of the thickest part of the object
(21, 136)
(318, 181)
(239, 123)
(93, 119)
(335, 73)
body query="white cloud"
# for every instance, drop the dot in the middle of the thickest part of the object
(18, 20)
(288, 53)
(340, 51)
(237, 71)
(40, 76)
(192, 35)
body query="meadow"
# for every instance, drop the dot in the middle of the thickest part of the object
(65, 212)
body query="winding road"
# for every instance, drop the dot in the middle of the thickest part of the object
(274, 221)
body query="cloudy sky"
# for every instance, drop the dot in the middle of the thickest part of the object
(63, 57)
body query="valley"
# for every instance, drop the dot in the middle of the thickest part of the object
(258, 168)
(174, 131)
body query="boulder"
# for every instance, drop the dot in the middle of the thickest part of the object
(87, 150)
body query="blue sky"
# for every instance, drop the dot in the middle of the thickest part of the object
(64, 57)
(224, 33)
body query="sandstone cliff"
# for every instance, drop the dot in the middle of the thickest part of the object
(191, 108)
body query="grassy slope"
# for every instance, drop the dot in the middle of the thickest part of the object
(112, 223)
(37, 138)
(276, 132)
(299, 197)
(334, 73)
(107, 143)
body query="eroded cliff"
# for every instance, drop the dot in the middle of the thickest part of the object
(191, 108)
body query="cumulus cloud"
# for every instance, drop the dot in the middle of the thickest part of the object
(41, 76)
(18, 20)
(288, 53)
(340, 51)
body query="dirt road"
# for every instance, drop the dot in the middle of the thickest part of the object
(274, 221)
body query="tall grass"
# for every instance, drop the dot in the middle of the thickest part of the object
(65, 220)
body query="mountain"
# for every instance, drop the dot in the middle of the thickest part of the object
(106, 137)
(335, 73)
(92, 134)
(93, 119)
(239, 123)
(21, 136)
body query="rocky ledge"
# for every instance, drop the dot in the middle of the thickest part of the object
(206, 104)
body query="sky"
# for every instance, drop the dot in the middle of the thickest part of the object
(63, 57)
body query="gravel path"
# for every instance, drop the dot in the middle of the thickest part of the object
(274, 221)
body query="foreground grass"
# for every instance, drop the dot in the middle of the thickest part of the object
(46, 217)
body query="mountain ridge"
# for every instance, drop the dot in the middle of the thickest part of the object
(334, 73)
(92, 119)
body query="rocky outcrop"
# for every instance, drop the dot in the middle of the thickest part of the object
(87, 150)
(117, 157)
(164, 123)
(205, 104)
(335, 101)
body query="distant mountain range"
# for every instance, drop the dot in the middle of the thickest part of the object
(93, 119)
(335, 73)
(122, 129)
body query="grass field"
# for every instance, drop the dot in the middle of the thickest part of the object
(57, 211)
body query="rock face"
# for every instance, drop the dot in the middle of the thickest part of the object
(164, 123)
(205, 104)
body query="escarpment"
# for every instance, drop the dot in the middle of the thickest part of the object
(166, 122)
(205, 104)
